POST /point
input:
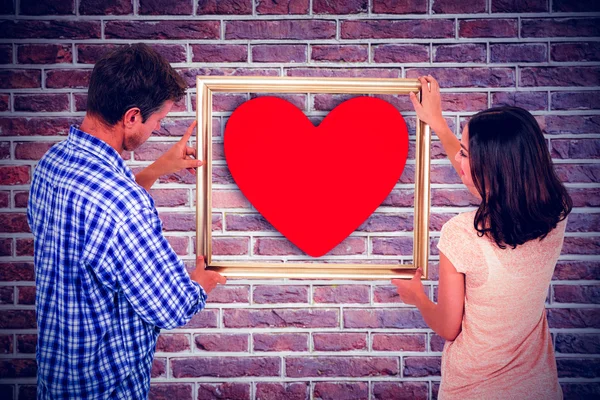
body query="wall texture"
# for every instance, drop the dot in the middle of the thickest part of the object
(308, 339)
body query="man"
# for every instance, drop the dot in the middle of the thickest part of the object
(106, 278)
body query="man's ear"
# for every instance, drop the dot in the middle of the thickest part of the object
(132, 117)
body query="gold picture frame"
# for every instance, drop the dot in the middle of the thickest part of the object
(208, 85)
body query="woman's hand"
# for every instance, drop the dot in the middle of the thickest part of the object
(429, 110)
(411, 291)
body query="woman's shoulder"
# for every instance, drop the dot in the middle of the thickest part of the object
(463, 222)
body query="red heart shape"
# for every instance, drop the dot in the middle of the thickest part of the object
(316, 185)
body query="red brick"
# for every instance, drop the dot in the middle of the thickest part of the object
(64, 78)
(403, 29)
(31, 150)
(399, 342)
(221, 342)
(228, 390)
(383, 318)
(458, 6)
(6, 344)
(578, 6)
(26, 344)
(580, 390)
(159, 367)
(575, 101)
(91, 53)
(20, 79)
(21, 199)
(230, 246)
(7, 295)
(467, 77)
(344, 72)
(341, 294)
(17, 319)
(578, 52)
(18, 368)
(6, 247)
(573, 124)
(225, 367)
(393, 246)
(577, 270)
(401, 53)
(520, 6)
(339, 7)
(7, 7)
(575, 148)
(157, 7)
(26, 295)
(36, 126)
(173, 343)
(422, 366)
(4, 102)
(264, 294)
(285, 7)
(279, 390)
(453, 197)
(56, 29)
(341, 390)
(341, 366)
(280, 342)
(285, 29)
(588, 197)
(298, 100)
(226, 101)
(400, 7)
(581, 245)
(339, 53)
(275, 247)
(230, 294)
(574, 318)
(578, 367)
(180, 222)
(281, 318)
(279, 53)
(24, 247)
(532, 101)
(582, 343)
(206, 318)
(231, 7)
(13, 222)
(46, 7)
(171, 391)
(99, 7)
(339, 341)
(190, 74)
(436, 342)
(399, 198)
(470, 52)
(41, 102)
(493, 27)
(560, 27)
(219, 53)
(582, 294)
(6, 54)
(166, 29)
(16, 271)
(44, 54)
(401, 390)
(521, 52)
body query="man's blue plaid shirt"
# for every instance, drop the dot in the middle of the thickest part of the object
(106, 278)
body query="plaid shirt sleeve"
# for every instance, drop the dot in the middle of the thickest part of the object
(152, 277)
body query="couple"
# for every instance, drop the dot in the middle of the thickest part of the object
(107, 280)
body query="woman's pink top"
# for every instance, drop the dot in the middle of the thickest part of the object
(504, 350)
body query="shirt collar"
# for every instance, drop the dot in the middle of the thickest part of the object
(100, 149)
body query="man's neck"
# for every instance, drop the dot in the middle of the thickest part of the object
(111, 135)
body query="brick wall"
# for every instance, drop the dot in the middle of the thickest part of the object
(308, 339)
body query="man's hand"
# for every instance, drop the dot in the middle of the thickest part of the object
(179, 156)
(430, 108)
(411, 291)
(206, 278)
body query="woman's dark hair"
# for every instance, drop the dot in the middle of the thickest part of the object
(132, 76)
(522, 198)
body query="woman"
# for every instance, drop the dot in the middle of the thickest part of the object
(496, 262)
